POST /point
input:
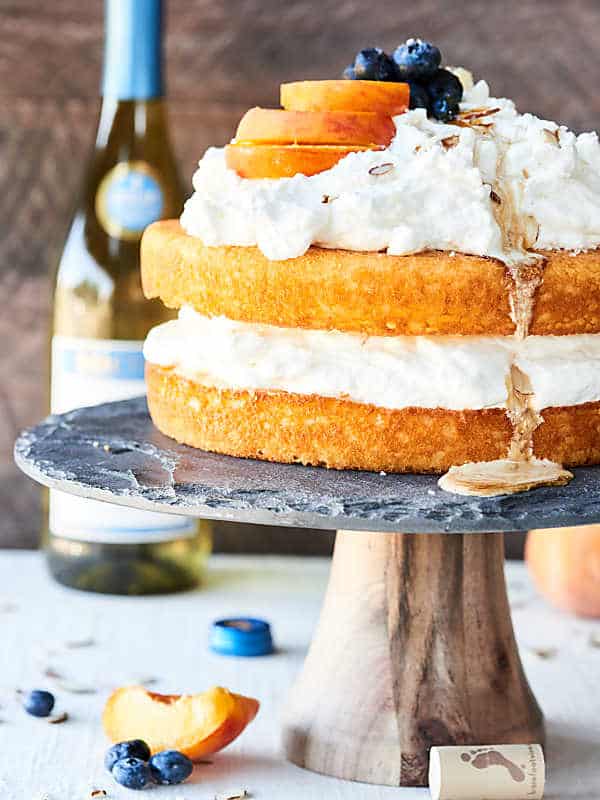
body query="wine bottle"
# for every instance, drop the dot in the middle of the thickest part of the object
(100, 316)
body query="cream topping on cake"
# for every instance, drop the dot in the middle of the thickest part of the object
(451, 372)
(437, 186)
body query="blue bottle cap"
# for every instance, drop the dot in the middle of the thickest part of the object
(241, 636)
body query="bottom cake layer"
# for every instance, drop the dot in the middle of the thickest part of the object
(341, 434)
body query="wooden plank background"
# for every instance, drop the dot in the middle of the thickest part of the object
(222, 58)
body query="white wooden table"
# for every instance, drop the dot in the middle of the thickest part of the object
(164, 638)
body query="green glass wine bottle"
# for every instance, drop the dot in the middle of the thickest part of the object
(100, 316)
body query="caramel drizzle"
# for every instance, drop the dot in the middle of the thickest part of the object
(522, 415)
(526, 270)
(520, 470)
(519, 235)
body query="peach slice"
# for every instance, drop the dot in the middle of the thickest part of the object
(382, 96)
(274, 126)
(284, 161)
(195, 724)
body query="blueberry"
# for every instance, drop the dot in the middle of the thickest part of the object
(445, 84)
(170, 767)
(133, 773)
(38, 703)
(444, 109)
(349, 74)
(416, 60)
(418, 96)
(134, 748)
(373, 64)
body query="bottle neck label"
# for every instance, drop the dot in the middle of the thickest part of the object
(86, 372)
(129, 198)
(133, 51)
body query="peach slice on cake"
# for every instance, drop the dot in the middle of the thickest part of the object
(284, 161)
(195, 724)
(385, 97)
(274, 126)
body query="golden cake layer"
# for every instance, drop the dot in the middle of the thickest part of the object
(375, 294)
(337, 433)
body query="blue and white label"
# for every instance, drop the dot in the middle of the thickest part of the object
(86, 372)
(129, 199)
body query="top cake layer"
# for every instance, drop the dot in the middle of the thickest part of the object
(370, 293)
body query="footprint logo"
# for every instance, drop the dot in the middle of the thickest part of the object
(483, 758)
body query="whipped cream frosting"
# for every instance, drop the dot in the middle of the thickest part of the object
(452, 372)
(504, 184)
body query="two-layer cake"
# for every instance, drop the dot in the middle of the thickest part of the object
(427, 300)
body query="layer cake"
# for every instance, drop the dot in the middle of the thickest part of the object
(419, 306)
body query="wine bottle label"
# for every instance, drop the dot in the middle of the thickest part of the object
(87, 372)
(128, 199)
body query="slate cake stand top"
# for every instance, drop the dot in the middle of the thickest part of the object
(112, 452)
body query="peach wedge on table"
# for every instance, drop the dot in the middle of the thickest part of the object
(195, 724)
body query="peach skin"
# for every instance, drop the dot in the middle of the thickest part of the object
(386, 97)
(274, 126)
(284, 161)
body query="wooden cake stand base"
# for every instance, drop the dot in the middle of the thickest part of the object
(414, 648)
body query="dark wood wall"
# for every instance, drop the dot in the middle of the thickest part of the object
(223, 56)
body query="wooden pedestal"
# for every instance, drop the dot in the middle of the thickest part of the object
(414, 648)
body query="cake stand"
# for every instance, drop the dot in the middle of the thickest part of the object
(415, 645)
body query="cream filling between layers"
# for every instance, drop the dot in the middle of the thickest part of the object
(451, 372)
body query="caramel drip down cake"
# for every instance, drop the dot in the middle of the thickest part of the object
(423, 297)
